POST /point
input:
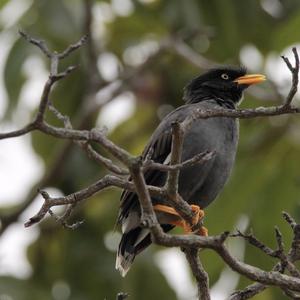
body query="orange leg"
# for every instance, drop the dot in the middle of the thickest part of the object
(183, 224)
(199, 214)
(167, 209)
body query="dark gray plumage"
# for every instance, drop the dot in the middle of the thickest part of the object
(199, 184)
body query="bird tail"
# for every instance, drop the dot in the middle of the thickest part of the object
(132, 243)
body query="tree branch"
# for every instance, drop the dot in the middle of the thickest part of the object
(291, 257)
(71, 48)
(295, 73)
(39, 43)
(200, 274)
(135, 167)
(197, 159)
(176, 152)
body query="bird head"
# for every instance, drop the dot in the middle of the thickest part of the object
(225, 83)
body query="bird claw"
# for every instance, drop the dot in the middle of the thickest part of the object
(203, 231)
(198, 216)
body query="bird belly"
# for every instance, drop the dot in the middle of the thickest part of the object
(200, 184)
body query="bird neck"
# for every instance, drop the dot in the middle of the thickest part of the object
(225, 103)
(224, 100)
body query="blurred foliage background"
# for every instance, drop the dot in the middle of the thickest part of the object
(131, 73)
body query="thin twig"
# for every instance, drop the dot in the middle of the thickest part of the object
(62, 220)
(295, 74)
(87, 147)
(199, 273)
(289, 219)
(71, 48)
(39, 43)
(103, 160)
(292, 256)
(195, 160)
(256, 243)
(26, 129)
(103, 183)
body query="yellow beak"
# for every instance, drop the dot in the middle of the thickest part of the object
(250, 79)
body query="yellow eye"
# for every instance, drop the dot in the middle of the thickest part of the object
(225, 76)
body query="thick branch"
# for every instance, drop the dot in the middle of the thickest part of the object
(148, 218)
(176, 152)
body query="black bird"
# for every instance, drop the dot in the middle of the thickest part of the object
(200, 184)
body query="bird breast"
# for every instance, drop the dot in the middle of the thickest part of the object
(200, 184)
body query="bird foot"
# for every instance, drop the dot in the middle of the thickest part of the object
(198, 216)
(203, 231)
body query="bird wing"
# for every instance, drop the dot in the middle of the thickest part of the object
(158, 149)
